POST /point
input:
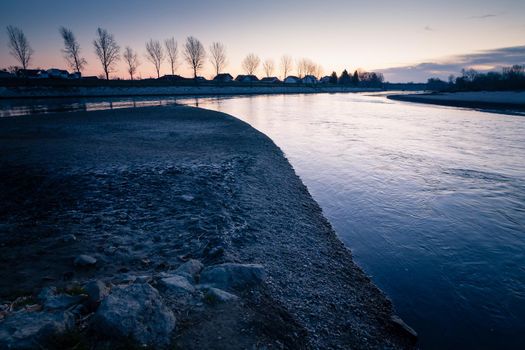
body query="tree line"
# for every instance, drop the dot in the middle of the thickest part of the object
(193, 53)
(510, 78)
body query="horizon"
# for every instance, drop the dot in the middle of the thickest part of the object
(406, 41)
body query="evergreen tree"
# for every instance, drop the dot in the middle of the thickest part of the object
(333, 78)
(355, 78)
(345, 78)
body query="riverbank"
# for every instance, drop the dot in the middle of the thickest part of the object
(496, 100)
(204, 90)
(188, 216)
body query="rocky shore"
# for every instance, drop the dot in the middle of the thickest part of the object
(171, 227)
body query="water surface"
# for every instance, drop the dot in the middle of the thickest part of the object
(431, 201)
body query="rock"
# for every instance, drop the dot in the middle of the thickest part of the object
(191, 268)
(30, 330)
(178, 285)
(216, 252)
(69, 238)
(402, 326)
(85, 260)
(52, 300)
(231, 276)
(96, 291)
(215, 295)
(136, 311)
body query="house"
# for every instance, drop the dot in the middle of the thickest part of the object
(32, 73)
(270, 80)
(76, 75)
(292, 80)
(223, 78)
(90, 77)
(309, 79)
(55, 73)
(171, 77)
(246, 78)
(199, 78)
(325, 80)
(6, 75)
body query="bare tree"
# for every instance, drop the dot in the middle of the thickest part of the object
(268, 67)
(19, 46)
(194, 54)
(132, 60)
(107, 50)
(286, 65)
(155, 54)
(251, 63)
(71, 50)
(218, 56)
(172, 51)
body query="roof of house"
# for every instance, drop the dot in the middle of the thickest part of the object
(249, 77)
(270, 79)
(223, 76)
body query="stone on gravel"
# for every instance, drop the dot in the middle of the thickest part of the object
(215, 295)
(178, 285)
(96, 291)
(30, 330)
(191, 268)
(136, 311)
(232, 276)
(85, 260)
(401, 325)
(52, 300)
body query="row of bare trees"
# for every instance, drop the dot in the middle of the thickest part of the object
(193, 52)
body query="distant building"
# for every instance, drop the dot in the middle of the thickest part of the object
(270, 80)
(223, 78)
(325, 79)
(246, 78)
(309, 79)
(90, 77)
(32, 74)
(56, 73)
(6, 75)
(76, 75)
(171, 77)
(292, 80)
(199, 78)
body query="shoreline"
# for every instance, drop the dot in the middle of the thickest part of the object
(501, 101)
(191, 195)
(84, 92)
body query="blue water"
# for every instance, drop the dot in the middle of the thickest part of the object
(431, 200)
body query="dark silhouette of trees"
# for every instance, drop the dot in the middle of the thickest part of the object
(107, 50)
(268, 67)
(172, 53)
(251, 63)
(345, 79)
(71, 50)
(132, 61)
(155, 54)
(355, 78)
(510, 78)
(194, 54)
(218, 57)
(333, 78)
(286, 65)
(19, 46)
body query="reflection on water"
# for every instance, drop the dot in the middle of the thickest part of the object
(431, 200)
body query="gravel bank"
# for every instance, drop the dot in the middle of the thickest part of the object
(109, 200)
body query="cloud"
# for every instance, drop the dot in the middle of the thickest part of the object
(428, 28)
(482, 61)
(487, 15)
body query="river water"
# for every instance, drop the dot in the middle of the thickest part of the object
(431, 201)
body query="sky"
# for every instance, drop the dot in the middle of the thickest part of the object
(405, 40)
